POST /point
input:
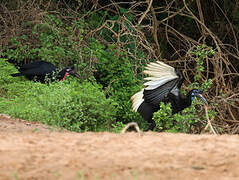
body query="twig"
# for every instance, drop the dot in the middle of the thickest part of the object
(208, 121)
(143, 16)
(155, 29)
(129, 125)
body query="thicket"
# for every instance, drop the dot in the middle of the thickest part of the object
(67, 104)
(109, 43)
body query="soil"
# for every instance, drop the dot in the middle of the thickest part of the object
(34, 151)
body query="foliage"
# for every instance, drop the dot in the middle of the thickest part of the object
(117, 127)
(201, 53)
(165, 121)
(115, 73)
(120, 62)
(54, 41)
(57, 42)
(68, 104)
(163, 117)
(187, 121)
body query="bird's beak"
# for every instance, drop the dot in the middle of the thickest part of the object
(202, 98)
(74, 73)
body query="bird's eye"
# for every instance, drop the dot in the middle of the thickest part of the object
(195, 91)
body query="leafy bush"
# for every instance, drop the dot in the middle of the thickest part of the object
(7, 81)
(180, 122)
(56, 40)
(115, 73)
(117, 127)
(69, 104)
(60, 41)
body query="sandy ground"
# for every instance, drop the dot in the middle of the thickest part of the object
(33, 151)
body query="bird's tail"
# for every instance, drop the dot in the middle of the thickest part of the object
(16, 74)
(137, 100)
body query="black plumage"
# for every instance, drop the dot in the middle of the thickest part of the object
(163, 85)
(43, 71)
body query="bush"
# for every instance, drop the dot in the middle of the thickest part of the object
(69, 104)
(180, 122)
(62, 42)
(55, 40)
(115, 73)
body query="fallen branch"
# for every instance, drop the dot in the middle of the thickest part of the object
(129, 125)
(208, 121)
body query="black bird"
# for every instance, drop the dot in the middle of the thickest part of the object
(43, 71)
(163, 84)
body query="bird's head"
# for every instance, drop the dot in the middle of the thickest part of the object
(69, 71)
(199, 94)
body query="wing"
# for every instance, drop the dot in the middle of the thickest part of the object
(137, 100)
(37, 64)
(155, 96)
(162, 80)
(35, 72)
(37, 68)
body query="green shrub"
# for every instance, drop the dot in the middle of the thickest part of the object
(60, 41)
(55, 40)
(115, 73)
(77, 107)
(7, 81)
(180, 122)
(117, 127)
(69, 104)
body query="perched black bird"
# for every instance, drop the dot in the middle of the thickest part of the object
(163, 84)
(44, 72)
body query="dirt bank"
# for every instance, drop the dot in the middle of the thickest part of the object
(33, 151)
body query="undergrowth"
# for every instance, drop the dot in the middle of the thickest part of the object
(115, 73)
(68, 104)
(109, 60)
(62, 43)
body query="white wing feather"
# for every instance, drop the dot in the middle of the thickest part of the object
(137, 100)
(159, 74)
(153, 84)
